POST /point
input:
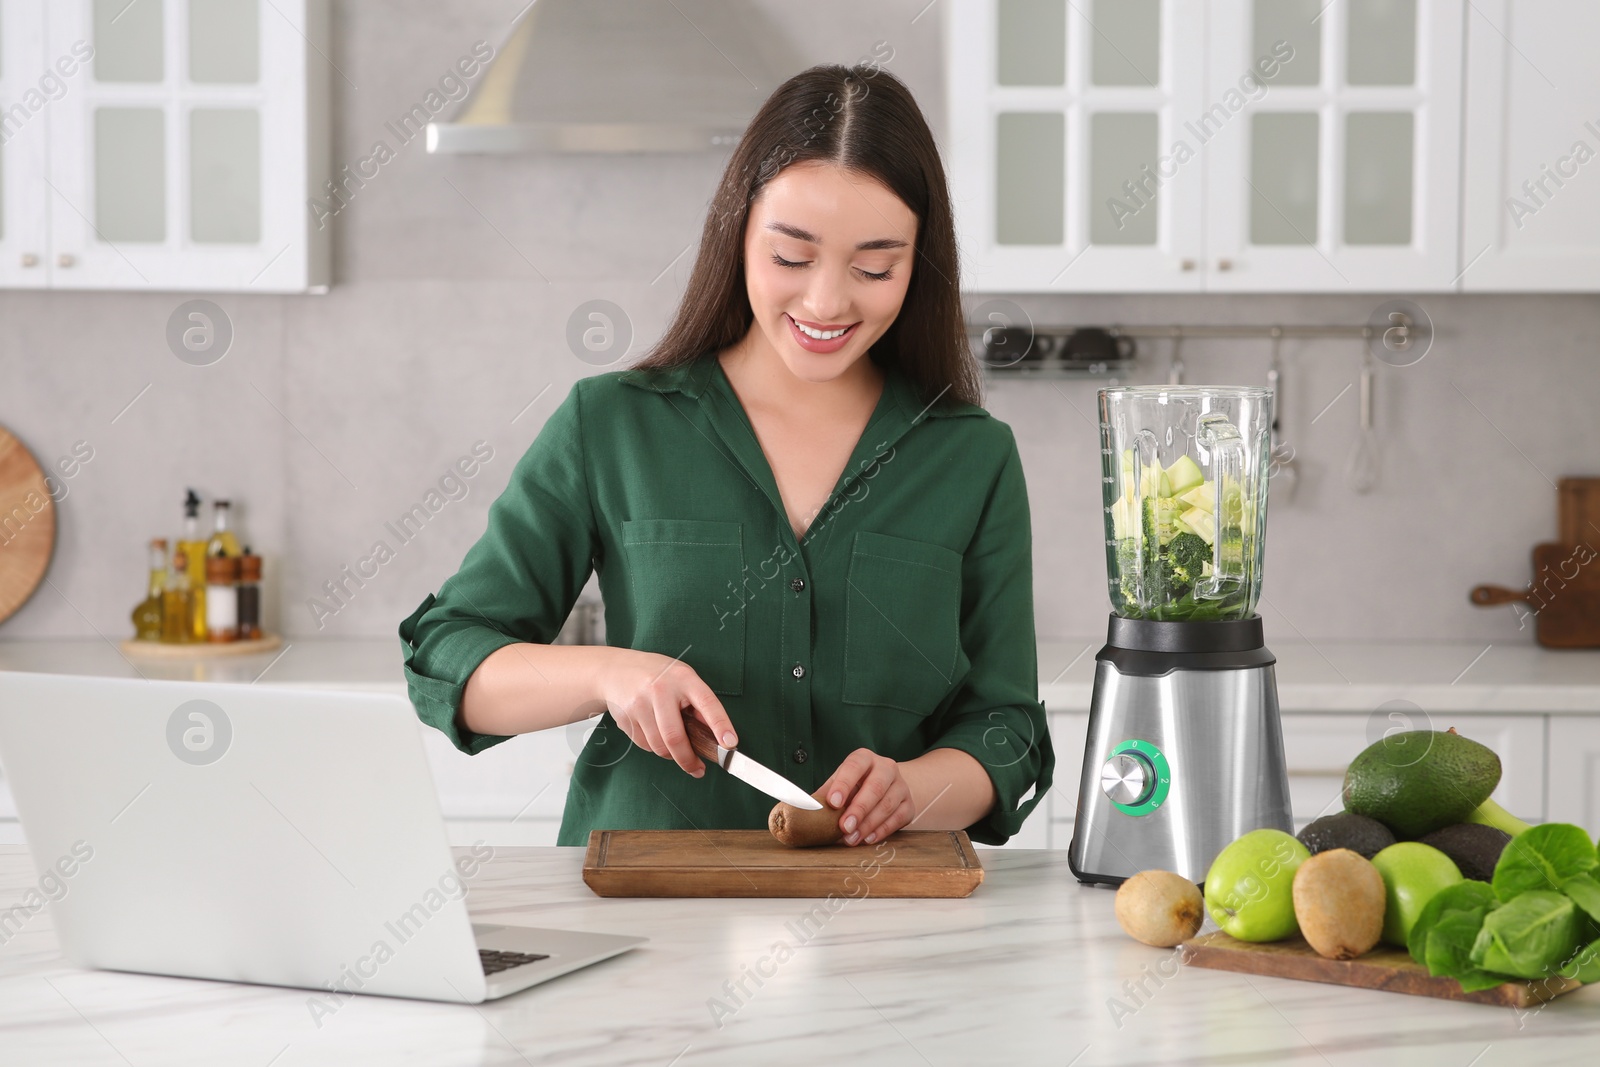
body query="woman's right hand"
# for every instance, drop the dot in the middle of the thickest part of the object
(646, 693)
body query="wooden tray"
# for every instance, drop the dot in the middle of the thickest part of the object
(200, 650)
(751, 863)
(1389, 969)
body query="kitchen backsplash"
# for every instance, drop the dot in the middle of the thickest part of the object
(459, 280)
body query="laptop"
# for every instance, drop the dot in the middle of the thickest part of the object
(251, 833)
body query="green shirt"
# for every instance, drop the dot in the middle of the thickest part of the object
(901, 622)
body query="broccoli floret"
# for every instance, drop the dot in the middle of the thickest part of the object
(1189, 553)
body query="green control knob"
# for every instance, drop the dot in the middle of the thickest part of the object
(1136, 777)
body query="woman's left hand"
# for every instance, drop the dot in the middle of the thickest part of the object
(877, 795)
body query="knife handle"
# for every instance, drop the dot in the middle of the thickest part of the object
(701, 739)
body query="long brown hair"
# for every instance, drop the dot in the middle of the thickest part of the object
(864, 119)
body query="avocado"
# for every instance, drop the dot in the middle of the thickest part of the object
(1417, 781)
(1357, 833)
(1474, 847)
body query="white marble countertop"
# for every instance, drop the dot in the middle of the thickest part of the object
(1031, 969)
(1325, 676)
(1361, 676)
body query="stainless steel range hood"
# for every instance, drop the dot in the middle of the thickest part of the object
(641, 76)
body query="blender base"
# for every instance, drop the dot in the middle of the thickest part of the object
(1184, 753)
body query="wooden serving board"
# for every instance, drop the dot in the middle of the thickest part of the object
(1389, 969)
(200, 649)
(27, 524)
(1563, 598)
(751, 863)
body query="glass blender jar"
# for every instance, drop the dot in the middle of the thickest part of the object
(1185, 486)
(1185, 748)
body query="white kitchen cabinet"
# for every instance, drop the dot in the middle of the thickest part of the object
(1318, 748)
(511, 794)
(1344, 175)
(1573, 774)
(1531, 211)
(1070, 732)
(1206, 145)
(179, 146)
(1059, 114)
(26, 93)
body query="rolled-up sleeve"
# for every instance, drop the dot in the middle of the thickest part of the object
(517, 583)
(996, 716)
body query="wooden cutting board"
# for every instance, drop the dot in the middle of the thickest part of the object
(27, 524)
(1563, 597)
(1389, 969)
(751, 863)
(1579, 510)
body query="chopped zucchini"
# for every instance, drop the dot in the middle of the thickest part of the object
(1183, 475)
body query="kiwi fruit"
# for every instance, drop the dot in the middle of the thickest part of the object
(1339, 901)
(1358, 833)
(799, 828)
(1159, 908)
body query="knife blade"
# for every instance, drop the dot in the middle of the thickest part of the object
(744, 768)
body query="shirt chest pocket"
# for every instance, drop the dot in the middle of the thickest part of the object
(902, 622)
(680, 572)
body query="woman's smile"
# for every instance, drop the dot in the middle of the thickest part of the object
(820, 339)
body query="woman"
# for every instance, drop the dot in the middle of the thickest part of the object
(807, 532)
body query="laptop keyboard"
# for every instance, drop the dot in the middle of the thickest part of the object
(494, 961)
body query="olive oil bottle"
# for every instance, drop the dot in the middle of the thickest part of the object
(194, 550)
(177, 602)
(147, 616)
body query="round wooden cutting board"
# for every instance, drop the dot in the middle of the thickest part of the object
(27, 524)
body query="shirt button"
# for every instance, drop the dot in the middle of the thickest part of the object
(797, 584)
(799, 671)
(800, 755)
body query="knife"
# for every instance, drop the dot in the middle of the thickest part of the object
(744, 768)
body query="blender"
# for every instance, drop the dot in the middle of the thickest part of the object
(1185, 748)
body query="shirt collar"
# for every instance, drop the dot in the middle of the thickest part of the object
(692, 379)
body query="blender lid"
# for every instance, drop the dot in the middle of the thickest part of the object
(1187, 392)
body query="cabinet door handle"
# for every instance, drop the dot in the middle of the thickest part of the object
(66, 259)
(29, 259)
(1224, 264)
(1186, 264)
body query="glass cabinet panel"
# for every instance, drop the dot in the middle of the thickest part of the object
(1283, 178)
(224, 175)
(1299, 23)
(1122, 198)
(1031, 40)
(224, 41)
(1383, 43)
(1030, 177)
(130, 173)
(1126, 49)
(127, 40)
(1377, 177)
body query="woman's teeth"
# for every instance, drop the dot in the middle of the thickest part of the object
(821, 335)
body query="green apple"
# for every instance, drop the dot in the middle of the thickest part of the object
(1249, 889)
(1412, 874)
